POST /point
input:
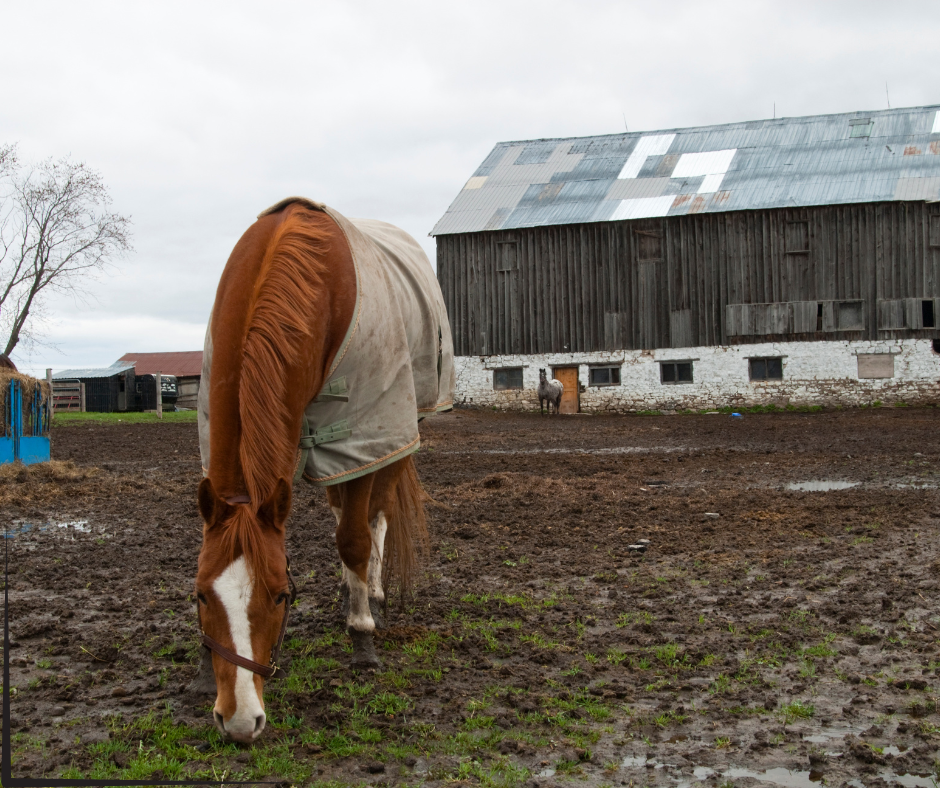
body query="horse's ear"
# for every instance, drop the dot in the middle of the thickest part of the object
(277, 506)
(209, 501)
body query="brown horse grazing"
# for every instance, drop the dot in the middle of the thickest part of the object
(334, 330)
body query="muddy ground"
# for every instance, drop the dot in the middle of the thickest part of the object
(766, 635)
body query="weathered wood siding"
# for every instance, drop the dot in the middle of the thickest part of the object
(847, 272)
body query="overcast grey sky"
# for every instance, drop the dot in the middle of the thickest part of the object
(199, 115)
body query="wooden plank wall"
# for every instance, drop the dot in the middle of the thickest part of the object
(584, 287)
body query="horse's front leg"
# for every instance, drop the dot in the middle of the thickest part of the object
(355, 545)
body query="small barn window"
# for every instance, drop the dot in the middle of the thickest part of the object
(675, 372)
(766, 368)
(604, 376)
(852, 315)
(797, 237)
(649, 245)
(860, 127)
(926, 310)
(507, 378)
(506, 258)
(935, 230)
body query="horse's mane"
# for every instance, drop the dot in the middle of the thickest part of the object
(277, 328)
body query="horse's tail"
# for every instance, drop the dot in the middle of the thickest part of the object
(406, 540)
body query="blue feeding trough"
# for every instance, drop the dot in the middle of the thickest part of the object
(24, 433)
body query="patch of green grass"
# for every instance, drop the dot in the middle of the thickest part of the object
(539, 640)
(388, 703)
(820, 649)
(640, 617)
(479, 723)
(78, 419)
(808, 669)
(579, 703)
(501, 773)
(668, 718)
(670, 654)
(424, 648)
(797, 710)
(615, 656)
(721, 684)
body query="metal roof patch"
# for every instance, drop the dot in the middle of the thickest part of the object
(643, 207)
(712, 164)
(653, 145)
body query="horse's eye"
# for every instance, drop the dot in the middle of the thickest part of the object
(202, 598)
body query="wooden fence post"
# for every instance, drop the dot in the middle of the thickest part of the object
(51, 403)
(81, 397)
(159, 377)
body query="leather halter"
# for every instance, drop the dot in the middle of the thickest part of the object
(265, 671)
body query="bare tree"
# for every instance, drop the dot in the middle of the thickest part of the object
(56, 232)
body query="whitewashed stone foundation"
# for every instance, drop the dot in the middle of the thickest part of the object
(814, 373)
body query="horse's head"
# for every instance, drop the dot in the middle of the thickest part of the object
(542, 377)
(244, 594)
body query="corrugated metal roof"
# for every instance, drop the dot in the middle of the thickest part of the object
(101, 372)
(785, 162)
(181, 363)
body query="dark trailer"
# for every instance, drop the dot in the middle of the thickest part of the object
(147, 392)
(107, 390)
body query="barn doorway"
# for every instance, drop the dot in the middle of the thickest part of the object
(570, 399)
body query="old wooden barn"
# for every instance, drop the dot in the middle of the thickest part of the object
(791, 261)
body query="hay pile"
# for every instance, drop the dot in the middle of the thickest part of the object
(31, 388)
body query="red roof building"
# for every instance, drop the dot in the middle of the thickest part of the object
(182, 364)
(185, 366)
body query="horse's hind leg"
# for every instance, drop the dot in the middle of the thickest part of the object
(354, 542)
(379, 527)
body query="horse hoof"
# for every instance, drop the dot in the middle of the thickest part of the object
(204, 682)
(364, 656)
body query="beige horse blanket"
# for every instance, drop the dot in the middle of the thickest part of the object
(395, 367)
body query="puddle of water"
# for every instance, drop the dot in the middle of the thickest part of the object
(909, 780)
(633, 761)
(584, 450)
(779, 776)
(821, 486)
(547, 772)
(78, 525)
(676, 739)
(892, 750)
(836, 732)
(788, 778)
(21, 527)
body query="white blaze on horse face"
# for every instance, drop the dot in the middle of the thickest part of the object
(379, 527)
(234, 587)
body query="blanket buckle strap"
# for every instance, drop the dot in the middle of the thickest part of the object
(309, 439)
